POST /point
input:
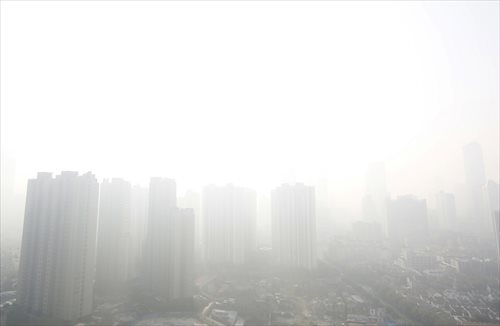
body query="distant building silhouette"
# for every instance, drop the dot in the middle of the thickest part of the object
(263, 229)
(113, 239)
(407, 219)
(376, 196)
(57, 263)
(491, 195)
(138, 225)
(496, 228)
(169, 248)
(324, 221)
(192, 199)
(294, 226)
(184, 246)
(229, 217)
(475, 180)
(446, 211)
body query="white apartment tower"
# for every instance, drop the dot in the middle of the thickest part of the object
(475, 180)
(446, 211)
(192, 199)
(376, 196)
(138, 229)
(56, 272)
(229, 217)
(169, 246)
(491, 194)
(294, 226)
(113, 238)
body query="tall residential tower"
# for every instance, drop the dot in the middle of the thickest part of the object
(229, 216)
(376, 197)
(294, 226)
(56, 271)
(475, 180)
(169, 247)
(113, 241)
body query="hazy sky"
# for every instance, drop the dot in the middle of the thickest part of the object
(250, 92)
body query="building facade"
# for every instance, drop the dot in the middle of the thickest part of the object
(376, 196)
(57, 263)
(113, 240)
(294, 226)
(446, 211)
(138, 225)
(229, 216)
(169, 246)
(192, 199)
(475, 180)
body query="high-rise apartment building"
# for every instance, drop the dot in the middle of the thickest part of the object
(138, 226)
(263, 228)
(294, 226)
(496, 229)
(113, 240)
(57, 264)
(475, 180)
(229, 217)
(491, 199)
(192, 199)
(324, 221)
(169, 248)
(446, 211)
(184, 253)
(376, 196)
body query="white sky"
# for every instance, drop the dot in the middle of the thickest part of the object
(250, 92)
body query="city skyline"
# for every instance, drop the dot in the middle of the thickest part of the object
(375, 186)
(62, 213)
(250, 163)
